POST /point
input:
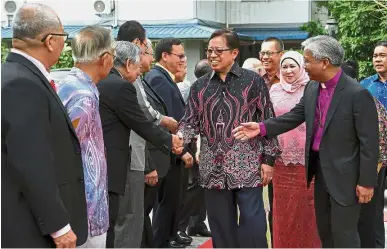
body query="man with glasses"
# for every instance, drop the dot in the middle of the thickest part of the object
(43, 194)
(170, 56)
(272, 49)
(231, 172)
(93, 55)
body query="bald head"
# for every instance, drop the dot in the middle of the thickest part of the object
(34, 19)
(202, 68)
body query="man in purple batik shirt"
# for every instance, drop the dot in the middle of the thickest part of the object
(342, 141)
(93, 54)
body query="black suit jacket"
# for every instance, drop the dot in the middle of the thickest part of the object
(41, 172)
(164, 86)
(120, 113)
(349, 146)
(157, 160)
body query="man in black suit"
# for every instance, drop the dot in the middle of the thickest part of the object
(170, 56)
(342, 141)
(121, 113)
(43, 194)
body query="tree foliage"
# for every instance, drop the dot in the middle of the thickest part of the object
(4, 51)
(314, 28)
(361, 25)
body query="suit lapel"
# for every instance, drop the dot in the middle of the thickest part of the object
(336, 98)
(28, 64)
(312, 107)
(172, 82)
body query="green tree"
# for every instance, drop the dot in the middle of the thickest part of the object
(314, 28)
(361, 24)
(65, 58)
(4, 51)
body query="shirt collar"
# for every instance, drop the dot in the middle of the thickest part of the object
(332, 82)
(170, 74)
(83, 77)
(36, 62)
(376, 78)
(235, 69)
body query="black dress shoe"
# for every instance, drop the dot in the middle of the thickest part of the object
(204, 232)
(183, 238)
(174, 244)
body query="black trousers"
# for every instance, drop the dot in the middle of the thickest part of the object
(114, 204)
(270, 218)
(250, 232)
(371, 223)
(336, 224)
(193, 213)
(169, 201)
(150, 195)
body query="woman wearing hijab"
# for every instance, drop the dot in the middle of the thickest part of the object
(294, 222)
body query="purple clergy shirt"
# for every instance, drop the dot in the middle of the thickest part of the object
(323, 102)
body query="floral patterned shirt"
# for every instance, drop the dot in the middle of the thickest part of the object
(214, 109)
(80, 97)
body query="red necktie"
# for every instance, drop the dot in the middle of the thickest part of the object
(52, 83)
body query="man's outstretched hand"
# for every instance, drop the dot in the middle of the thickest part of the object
(246, 131)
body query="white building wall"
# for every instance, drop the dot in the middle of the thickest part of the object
(194, 50)
(242, 12)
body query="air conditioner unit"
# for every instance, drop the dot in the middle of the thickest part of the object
(9, 7)
(103, 6)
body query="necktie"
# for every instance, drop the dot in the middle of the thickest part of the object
(52, 83)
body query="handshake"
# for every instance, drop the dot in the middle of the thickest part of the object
(177, 144)
(246, 131)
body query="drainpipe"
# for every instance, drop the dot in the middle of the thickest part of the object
(115, 21)
(226, 10)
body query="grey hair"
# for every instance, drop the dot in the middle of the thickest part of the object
(126, 51)
(325, 47)
(90, 43)
(34, 19)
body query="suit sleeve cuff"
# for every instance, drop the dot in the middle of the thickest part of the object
(262, 129)
(61, 232)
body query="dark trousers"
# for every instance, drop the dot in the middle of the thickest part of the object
(371, 222)
(114, 204)
(223, 218)
(336, 224)
(169, 200)
(193, 213)
(150, 195)
(270, 218)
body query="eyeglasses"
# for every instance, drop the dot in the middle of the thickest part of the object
(181, 56)
(146, 52)
(268, 53)
(107, 52)
(218, 51)
(65, 36)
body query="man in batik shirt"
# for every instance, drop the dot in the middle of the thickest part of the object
(93, 56)
(232, 172)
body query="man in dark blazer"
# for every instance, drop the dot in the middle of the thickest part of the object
(121, 113)
(43, 194)
(170, 56)
(341, 141)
